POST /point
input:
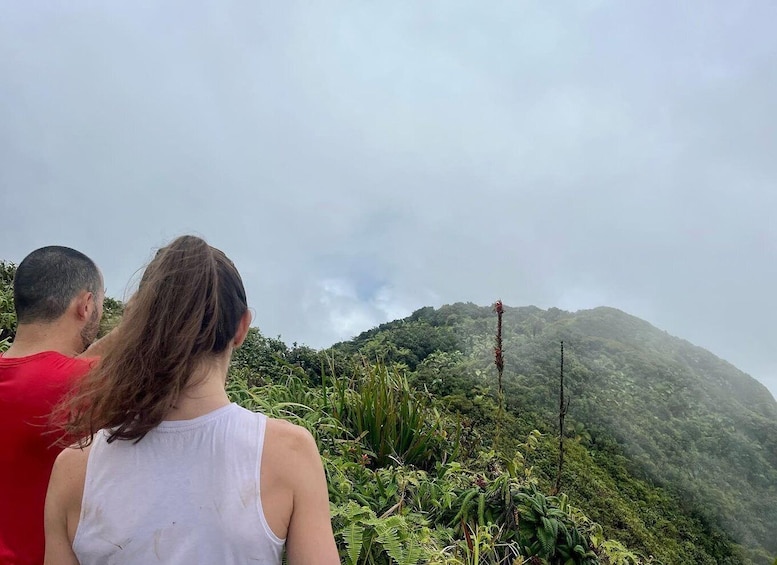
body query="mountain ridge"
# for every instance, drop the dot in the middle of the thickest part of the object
(688, 420)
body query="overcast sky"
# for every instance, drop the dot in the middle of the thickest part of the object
(359, 160)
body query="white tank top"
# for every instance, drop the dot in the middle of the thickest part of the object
(187, 493)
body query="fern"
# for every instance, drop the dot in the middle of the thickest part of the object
(388, 537)
(349, 526)
(353, 536)
(395, 536)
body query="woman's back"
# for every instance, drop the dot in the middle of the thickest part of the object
(170, 471)
(188, 492)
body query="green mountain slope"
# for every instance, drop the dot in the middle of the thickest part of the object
(686, 421)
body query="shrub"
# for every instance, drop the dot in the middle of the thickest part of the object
(397, 424)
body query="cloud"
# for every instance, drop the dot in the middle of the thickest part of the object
(361, 161)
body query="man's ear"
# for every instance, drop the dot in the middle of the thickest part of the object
(242, 328)
(84, 304)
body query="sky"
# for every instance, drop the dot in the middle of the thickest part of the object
(360, 160)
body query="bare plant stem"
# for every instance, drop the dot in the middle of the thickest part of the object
(562, 412)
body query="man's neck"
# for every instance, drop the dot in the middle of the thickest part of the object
(31, 339)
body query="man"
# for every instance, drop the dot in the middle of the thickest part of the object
(58, 295)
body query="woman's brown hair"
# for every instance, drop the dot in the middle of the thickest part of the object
(187, 309)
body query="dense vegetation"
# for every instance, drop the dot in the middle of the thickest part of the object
(407, 482)
(670, 455)
(7, 312)
(675, 427)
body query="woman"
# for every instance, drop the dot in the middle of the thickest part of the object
(171, 471)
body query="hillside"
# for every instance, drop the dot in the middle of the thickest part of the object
(670, 454)
(686, 421)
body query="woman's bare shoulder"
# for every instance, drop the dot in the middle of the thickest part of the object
(289, 449)
(71, 463)
(289, 438)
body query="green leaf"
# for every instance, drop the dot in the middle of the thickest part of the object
(353, 538)
(551, 526)
(547, 540)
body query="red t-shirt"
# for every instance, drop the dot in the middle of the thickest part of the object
(29, 389)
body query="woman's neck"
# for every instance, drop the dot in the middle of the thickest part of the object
(204, 395)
